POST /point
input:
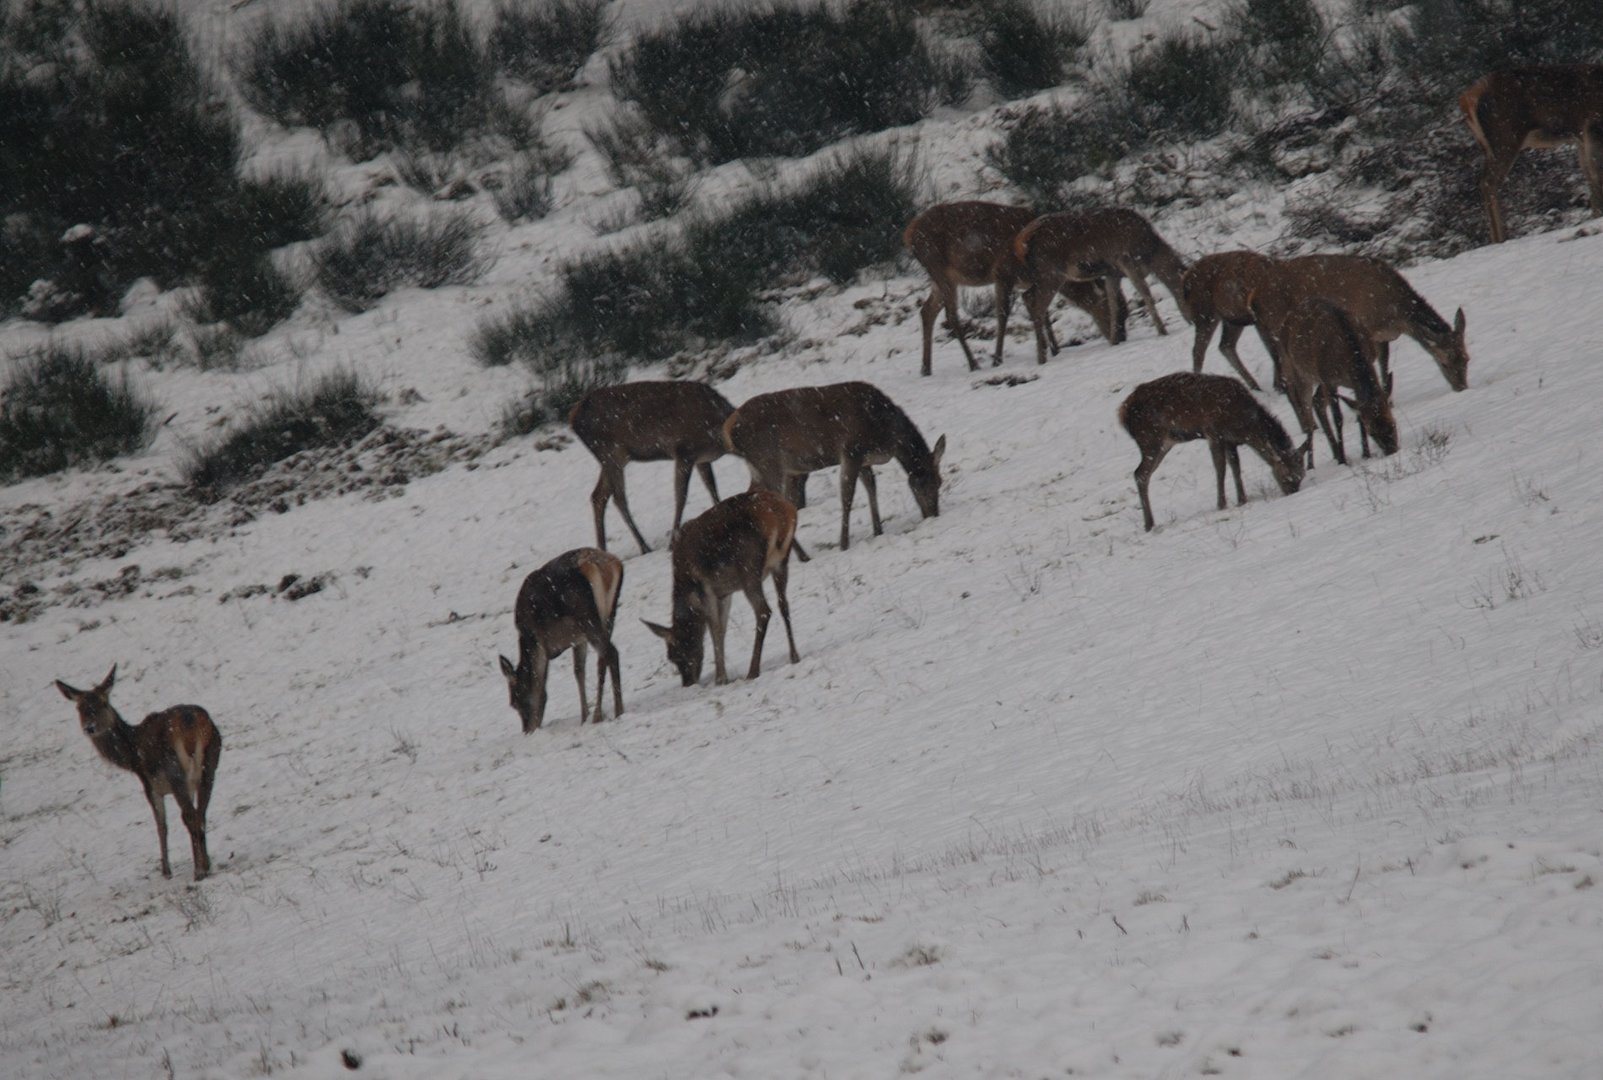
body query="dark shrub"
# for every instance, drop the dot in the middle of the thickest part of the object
(108, 123)
(337, 410)
(251, 295)
(564, 380)
(526, 189)
(780, 80)
(1180, 85)
(546, 44)
(59, 409)
(1049, 148)
(653, 298)
(1451, 43)
(1287, 39)
(400, 74)
(279, 209)
(1022, 51)
(374, 255)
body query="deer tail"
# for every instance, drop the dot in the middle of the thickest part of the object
(729, 430)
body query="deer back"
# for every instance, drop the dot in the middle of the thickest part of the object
(1320, 346)
(652, 421)
(968, 243)
(1220, 286)
(1182, 406)
(569, 599)
(1533, 106)
(734, 544)
(169, 750)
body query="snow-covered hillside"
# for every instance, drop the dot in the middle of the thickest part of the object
(1309, 788)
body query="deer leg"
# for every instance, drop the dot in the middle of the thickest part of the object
(1151, 456)
(681, 491)
(1033, 308)
(541, 662)
(1004, 300)
(954, 319)
(579, 652)
(1279, 379)
(848, 491)
(1139, 280)
(608, 654)
(781, 578)
(704, 469)
(196, 827)
(1305, 419)
(1235, 467)
(160, 812)
(1322, 408)
(931, 307)
(720, 622)
(872, 488)
(1221, 456)
(1115, 295)
(622, 502)
(1227, 346)
(598, 505)
(1204, 325)
(1592, 164)
(796, 489)
(759, 608)
(1497, 166)
(1383, 353)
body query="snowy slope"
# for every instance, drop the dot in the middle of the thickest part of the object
(1305, 788)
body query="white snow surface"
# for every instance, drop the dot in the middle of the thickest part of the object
(1305, 788)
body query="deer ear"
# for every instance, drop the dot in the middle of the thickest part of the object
(506, 667)
(68, 692)
(939, 451)
(1458, 323)
(661, 631)
(105, 684)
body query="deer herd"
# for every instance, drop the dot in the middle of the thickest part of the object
(1326, 322)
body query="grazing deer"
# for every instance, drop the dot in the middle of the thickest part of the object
(970, 243)
(1542, 107)
(730, 548)
(650, 421)
(570, 602)
(1100, 245)
(1321, 349)
(788, 433)
(1217, 289)
(1385, 307)
(173, 752)
(1184, 406)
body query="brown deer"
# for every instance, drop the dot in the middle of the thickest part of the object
(1184, 406)
(570, 602)
(1103, 245)
(970, 243)
(1385, 307)
(173, 752)
(1217, 289)
(650, 421)
(1542, 107)
(730, 548)
(1322, 349)
(788, 433)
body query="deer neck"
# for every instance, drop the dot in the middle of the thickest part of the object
(118, 744)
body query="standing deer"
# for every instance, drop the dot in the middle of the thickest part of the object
(570, 602)
(1543, 107)
(788, 433)
(650, 421)
(1384, 307)
(970, 243)
(1183, 406)
(1217, 289)
(173, 752)
(730, 548)
(1320, 350)
(1101, 245)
